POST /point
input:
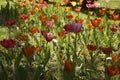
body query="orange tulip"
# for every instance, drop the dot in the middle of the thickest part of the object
(57, 5)
(115, 58)
(79, 20)
(38, 49)
(67, 9)
(115, 17)
(21, 4)
(61, 34)
(43, 18)
(33, 30)
(100, 28)
(90, 25)
(111, 70)
(111, 12)
(90, 12)
(23, 37)
(67, 66)
(95, 22)
(66, 1)
(54, 16)
(40, 1)
(28, 51)
(102, 11)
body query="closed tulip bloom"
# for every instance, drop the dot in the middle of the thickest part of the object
(54, 16)
(115, 17)
(23, 17)
(10, 22)
(115, 58)
(49, 37)
(67, 66)
(48, 23)
(23, 37)
(8, 43)
(76, 27)
(102, 11)
(92, 47)
(33, 30)
(111, 12)
(68, 27)
(28, 50)
(107, 50)
(44, 32)
(111, 70)
(42, 18)
(96, 22)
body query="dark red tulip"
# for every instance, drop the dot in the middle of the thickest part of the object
(92, 47)
(107, 50)
(10, 22)
(8, 43)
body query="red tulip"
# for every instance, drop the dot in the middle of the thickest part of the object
(28, 50)
(49, 37)
(92, 47)
(111, 70)
(23, 17)
(44, 32)
(67, 66)
(107, 50)
(10, 22)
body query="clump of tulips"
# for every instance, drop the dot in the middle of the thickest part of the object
(54, 42)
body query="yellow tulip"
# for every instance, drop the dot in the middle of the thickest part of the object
(67, 9)
(85, 52)
(73, 3)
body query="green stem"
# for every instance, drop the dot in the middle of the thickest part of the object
(75, 48)
(4, 71)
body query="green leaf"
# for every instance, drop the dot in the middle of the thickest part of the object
(70, 75)
(21, 73)
(17, 61)
(3, 73)
(38, 72)
(47, 57)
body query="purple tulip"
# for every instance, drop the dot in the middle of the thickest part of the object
(76, 27)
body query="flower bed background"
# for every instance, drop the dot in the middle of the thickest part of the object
(59, 41)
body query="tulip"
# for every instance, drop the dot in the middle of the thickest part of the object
(107, 50)
(23, 37)
(44, 32)
(10, 22)
(76, 27)
(54, 17)
(28, 50)
(92, 47)
(67, 66)
(23, 17)
(8, 43)
(111, 70)
(115, 58)
(49, 37)
(48, 23)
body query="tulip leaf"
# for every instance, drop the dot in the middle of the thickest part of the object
(21, 73)
(17, 61)
(38, 72)
(47, 57)
(69, 75)
(3, 73)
